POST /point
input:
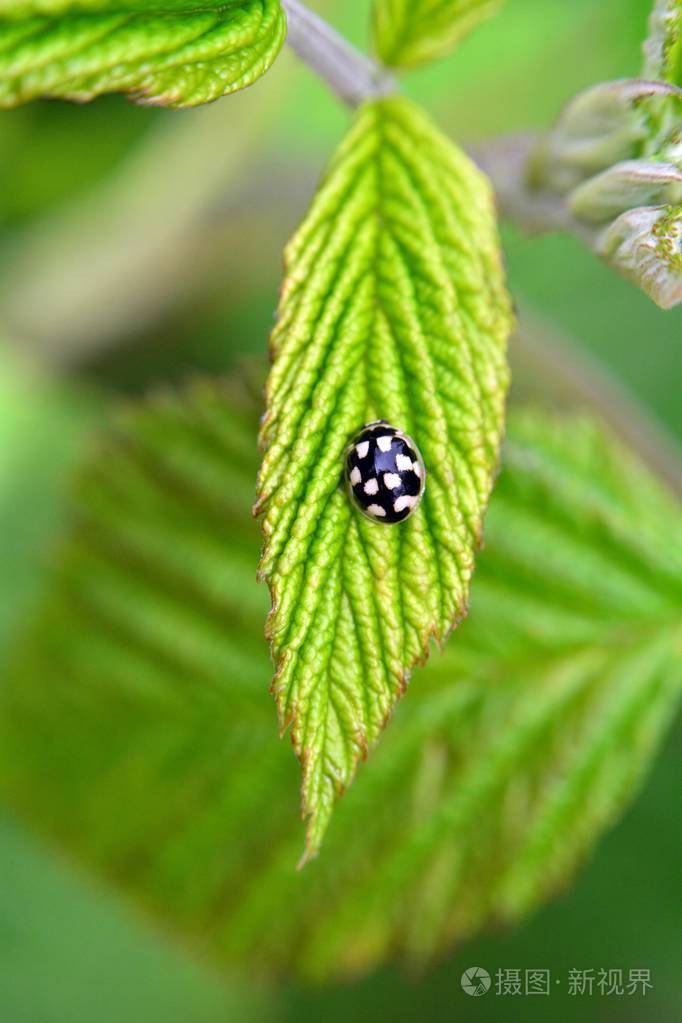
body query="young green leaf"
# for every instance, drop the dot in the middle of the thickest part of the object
(663, 45)
(135, 724)
(614, 156)
(393, 307)
(164, 53)
(412, 32)
(645, 245)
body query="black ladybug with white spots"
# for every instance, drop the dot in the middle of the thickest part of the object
(384, 472)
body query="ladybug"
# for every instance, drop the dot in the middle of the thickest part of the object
(384, 472)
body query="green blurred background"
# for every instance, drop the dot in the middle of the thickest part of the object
(137, 246)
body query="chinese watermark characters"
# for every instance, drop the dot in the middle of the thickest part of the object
(578, 982)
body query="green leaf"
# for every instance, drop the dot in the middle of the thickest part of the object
(135, 723)
(42, 423)
(412, 32)
(393, 307)
(24, 8)
(162, 53)
(663, 46)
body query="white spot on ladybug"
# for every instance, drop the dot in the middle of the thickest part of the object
(391, 479)
(355, 476)
(384, 443)
(372, 487)
(417, 469)
(377, 511)
(404, 463)
(362, 448)
(404, 501)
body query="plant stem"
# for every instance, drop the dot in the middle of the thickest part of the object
(504, 159)
(350, 75)
(551, 368)
(354, 77)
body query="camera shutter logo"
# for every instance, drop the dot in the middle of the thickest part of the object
(475, 981)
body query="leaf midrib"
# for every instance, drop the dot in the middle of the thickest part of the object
(382, 222)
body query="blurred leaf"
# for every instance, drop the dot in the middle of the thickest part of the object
(136, 729)
(42, 426)
(413, 32)
(393, 307)
(663, 46)
(139, 233)
(81, 941)
(167, 54)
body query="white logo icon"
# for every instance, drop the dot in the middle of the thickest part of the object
(475, 981)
